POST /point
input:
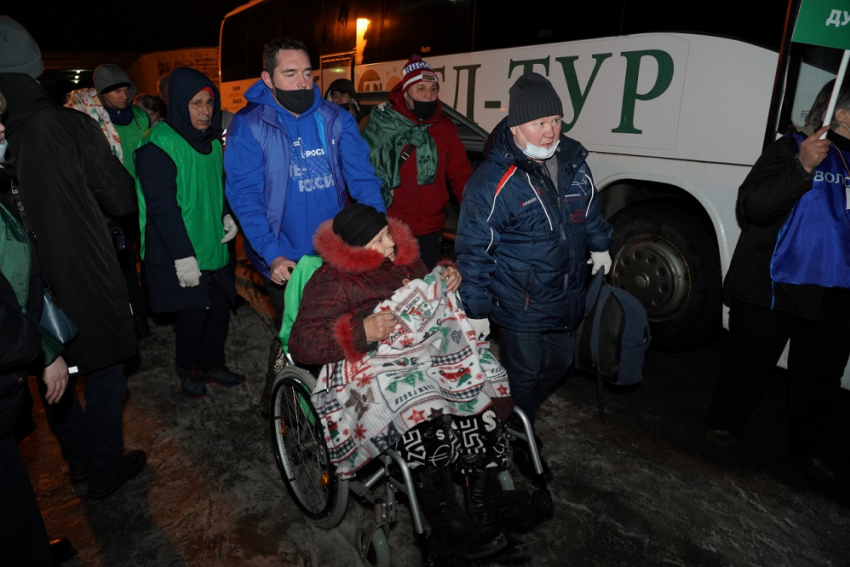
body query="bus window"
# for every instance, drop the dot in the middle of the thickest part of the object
(233, 55)
(263, 27)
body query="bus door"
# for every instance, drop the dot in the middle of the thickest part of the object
(333, 67)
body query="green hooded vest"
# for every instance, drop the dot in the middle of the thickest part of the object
(200, 194)
(130, 136)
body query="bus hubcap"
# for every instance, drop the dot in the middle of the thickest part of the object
(655, 272)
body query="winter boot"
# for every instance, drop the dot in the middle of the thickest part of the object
(191, 381)
(451, 529)
(482, 489)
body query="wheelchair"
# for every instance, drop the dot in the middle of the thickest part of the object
(298, 442)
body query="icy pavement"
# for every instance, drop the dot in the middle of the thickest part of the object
(638, 489)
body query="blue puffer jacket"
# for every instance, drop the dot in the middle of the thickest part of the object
(522, 247)
(257, 164)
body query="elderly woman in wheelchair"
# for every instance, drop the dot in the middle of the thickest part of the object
(403, 370)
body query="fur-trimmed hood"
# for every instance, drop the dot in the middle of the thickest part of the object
(357, 259)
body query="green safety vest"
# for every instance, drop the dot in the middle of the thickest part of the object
(130, 136)
(200, 194)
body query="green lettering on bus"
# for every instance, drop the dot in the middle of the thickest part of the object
(630, 94)
(528, 65)
(577, 97)
(470, 88)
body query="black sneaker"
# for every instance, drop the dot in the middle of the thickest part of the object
(819, 470)
(143, 330)
(719, 438)
(78, 471)
(223, 377)
(61, 550)
(192, 382)
(134, 462)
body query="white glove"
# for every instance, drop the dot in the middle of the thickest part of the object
(481, 328)
(600, 260)
(188, 273)
(230, 229)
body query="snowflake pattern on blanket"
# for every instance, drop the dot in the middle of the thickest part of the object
(430, 365)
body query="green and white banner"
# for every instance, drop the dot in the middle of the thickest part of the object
(824, 22)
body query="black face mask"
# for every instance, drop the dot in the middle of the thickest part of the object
(297, 101)
(424, 110)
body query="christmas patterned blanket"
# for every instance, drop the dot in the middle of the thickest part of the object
(430, 365)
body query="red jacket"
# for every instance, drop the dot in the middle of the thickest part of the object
(348, 286)
(423, 207)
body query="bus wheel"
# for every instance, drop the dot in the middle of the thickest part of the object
(663, 256)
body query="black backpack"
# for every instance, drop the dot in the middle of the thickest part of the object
(612, 340)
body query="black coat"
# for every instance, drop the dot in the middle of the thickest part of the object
(765, 199)
(68, 180)
(20, 340)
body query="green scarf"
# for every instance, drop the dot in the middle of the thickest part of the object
(387, 134)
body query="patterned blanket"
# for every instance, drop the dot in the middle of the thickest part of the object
(430, 365)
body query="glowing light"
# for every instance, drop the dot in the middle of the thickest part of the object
(362, 26)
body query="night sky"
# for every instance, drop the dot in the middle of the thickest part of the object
(122, 25)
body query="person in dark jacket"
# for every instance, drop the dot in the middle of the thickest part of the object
(25, 348)
(186, 229)
(366, 259)
(765, 315)
(123, 124)
(68, 179)
(529, 220)
(342, 93)
(417, 154)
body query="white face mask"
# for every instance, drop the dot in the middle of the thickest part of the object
(3, 145)
(536, 152)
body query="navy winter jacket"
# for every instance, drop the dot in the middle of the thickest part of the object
(522, 244)
(257, 164)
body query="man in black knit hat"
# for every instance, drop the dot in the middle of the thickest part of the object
(530, 233)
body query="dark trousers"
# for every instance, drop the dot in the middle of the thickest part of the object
(200, 335)
(536, 362)
(276, 294)
(94, 435)
(430, 248)
(817, 355)
(23, 539)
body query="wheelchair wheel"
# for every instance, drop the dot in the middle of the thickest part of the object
(298, 443)
(376, 551)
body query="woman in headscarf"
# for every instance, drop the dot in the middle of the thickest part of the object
(185, 229)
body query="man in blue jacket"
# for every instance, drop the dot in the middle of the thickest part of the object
(529, 227)
(290, 157)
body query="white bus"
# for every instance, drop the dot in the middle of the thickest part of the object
(675, 101)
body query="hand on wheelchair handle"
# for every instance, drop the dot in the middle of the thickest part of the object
(378, 326)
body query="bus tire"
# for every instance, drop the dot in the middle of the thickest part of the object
(666, 258)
